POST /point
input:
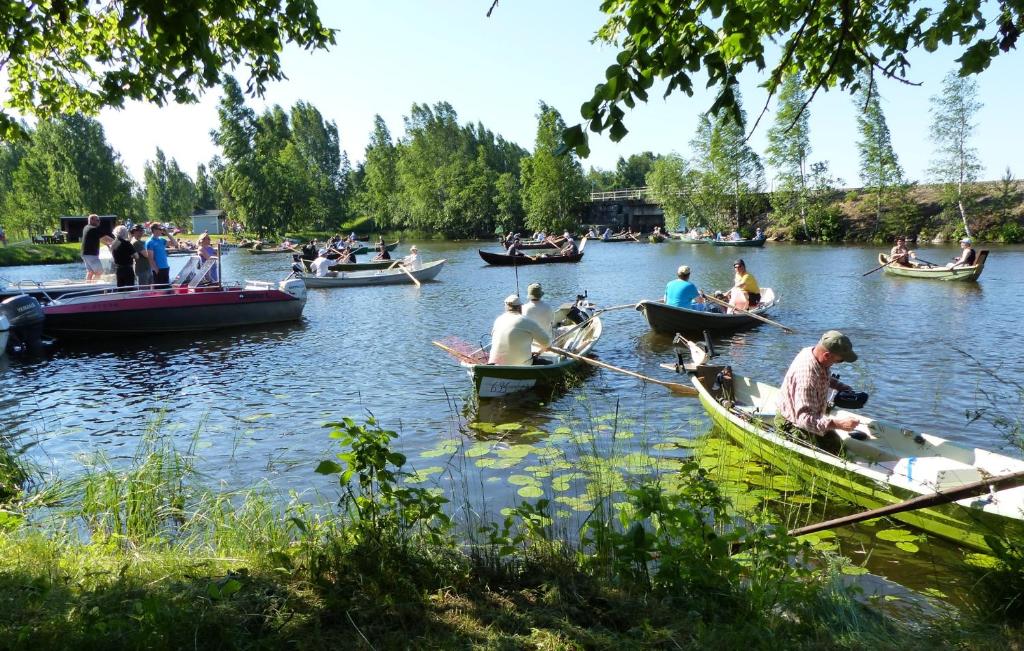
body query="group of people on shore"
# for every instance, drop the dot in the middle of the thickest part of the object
(139, 258)
(745, 293)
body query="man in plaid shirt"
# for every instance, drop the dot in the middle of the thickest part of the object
(803, 398)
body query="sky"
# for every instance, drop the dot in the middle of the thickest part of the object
(391, 54)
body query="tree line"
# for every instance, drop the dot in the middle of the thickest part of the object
(285, 171)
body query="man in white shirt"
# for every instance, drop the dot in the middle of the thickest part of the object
(412, 262)
(322, 265)
(513, 334)
(538, 310)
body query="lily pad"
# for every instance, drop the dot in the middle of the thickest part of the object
(516, 451)
(522, 480)
(908, 547)
(509, 427)
(531, 491)
(478, 449)
(445, 449)
(895, 535)
(983, 561)
(854, 570)
(421, 476)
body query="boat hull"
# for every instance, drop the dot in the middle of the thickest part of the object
(745, 243)
(170, 311)
(353, 266)
(668, 319)
(864, 483)
(502, 260)
(960, 274)
(48, 289)
(427, 272)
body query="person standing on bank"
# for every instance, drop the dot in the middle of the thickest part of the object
(124, 257)
(156, 249)
(143, 271)
(803, 397)
(513, 334)
(538, 310)
(92, 239)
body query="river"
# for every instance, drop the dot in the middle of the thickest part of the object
(931, 354)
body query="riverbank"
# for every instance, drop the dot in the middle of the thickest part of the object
(14, 255)
(147, 557)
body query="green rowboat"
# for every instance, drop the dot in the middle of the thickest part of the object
(886, 464)
(962, 274)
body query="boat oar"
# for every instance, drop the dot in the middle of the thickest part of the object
(876, 268)
(457, 354)
(409, 273)
(749, 313)
(589, 319)
(675, 387)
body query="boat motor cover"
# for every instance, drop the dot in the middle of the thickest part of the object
(22, 310)
(295, 287)
(850, 399)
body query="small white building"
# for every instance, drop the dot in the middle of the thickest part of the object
(209, 221)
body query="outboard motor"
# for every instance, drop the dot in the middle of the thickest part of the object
(25, 315)
(294, 287)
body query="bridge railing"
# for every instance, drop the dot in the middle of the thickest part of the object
(620, 195)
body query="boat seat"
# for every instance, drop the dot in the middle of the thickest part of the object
(936, 472)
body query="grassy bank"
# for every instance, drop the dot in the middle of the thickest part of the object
(26, 254)
(145, 556)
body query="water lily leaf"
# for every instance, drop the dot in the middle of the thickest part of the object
(854, 570)
(522, 480)
(531, 491)
(483, 427)
(516, 451)
(799, 499)
(624, 435)
(421, 476)
(445, 449)
(505, 464)
(983, 561)
(665, 446)
(908, 547)
(478, 449)
(895, 535)
(785, 483)
(509, 427)
(562, 430)
(575, 503)
(255, 417)
(486, 463)
(934, 592)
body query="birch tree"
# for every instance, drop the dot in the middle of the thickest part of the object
(955, 163)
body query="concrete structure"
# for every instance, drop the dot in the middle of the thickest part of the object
(209, 221)
(623, 208)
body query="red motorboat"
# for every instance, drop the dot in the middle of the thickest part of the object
(186, 306)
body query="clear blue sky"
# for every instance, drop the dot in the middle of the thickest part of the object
(496, 70)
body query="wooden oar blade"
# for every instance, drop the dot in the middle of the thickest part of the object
(461, 350)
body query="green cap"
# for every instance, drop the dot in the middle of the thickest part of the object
(838, 344)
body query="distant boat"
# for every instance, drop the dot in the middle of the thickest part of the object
(753, 243)
(396, 276)
(962, 274)
(366, 247)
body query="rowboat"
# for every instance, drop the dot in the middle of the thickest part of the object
(754, 243)
(353, 266)
(502, 260)
(496, 381)
(964, 274)
(686, 239)
(669, 319)
(396, 276)
(50, 289)
(623, 238)
(256, 251)
(541, 245)
(880, 463)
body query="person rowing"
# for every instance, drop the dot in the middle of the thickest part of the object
(900, 255)
(382, 251)
(570, 249)
(515, 247)
(967, 255)
(746, 293)
(682, 293)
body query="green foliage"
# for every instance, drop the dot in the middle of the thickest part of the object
(66, 168)
(379, 190)
(789, 149)
(880, 170)
(381, 510)
(554, 188)
(76, 56)
(632, 172)
(671, 185)
(682, 42)
(956, 164)
(999, 583)
(170, 194)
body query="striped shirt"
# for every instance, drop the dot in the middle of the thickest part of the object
(803, 398)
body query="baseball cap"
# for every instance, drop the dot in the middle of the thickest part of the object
(683, 270)
(965, 240)
(513, 300)
(838, 344)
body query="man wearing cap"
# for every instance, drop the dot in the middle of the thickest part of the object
(682, 293)
(537, 310)
(156, 249)
(966, 257)
(412, 262)
(803, 397)
(570, 247)
(900, 255)
(513, 334)
(143, 272)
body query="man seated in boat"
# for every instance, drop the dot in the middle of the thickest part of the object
(412, 262)
(899, 254)
(759, 234)
(514, 247)
(513, 335)
(735, 236)
(321, 265)
(309, 251)
(570, 248)
(537, 309)
(607, 235)
(967, 255)
(382, 251)
(682, 293)
(745, 293)
(802, 405)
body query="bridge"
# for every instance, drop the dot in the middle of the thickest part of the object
(621, 208)
(628, 194)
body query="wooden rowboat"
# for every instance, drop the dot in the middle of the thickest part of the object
(502, 260)
(753, 243)
(396, 276)
(256, 251)
(963, 274)
(669, 319)
(367, 247)
(546, 244)
(881, 464)
(496, 381)
(618, 238)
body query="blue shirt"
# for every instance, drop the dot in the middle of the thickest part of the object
(159, 249)
(681, 293)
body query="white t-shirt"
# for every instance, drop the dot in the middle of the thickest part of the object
(511, 337)
(540, 312)
(321, 266)
(412, 262)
